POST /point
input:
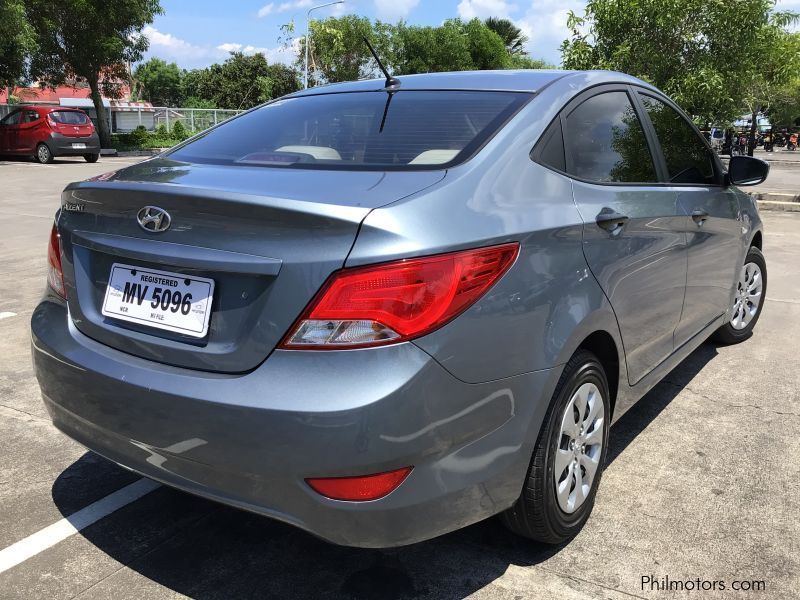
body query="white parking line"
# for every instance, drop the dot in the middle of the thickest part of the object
(61, 530)
(5, 315)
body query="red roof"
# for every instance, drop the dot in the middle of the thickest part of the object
(50, 96)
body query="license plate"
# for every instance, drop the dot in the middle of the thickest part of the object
(160, 299)
(79, 146)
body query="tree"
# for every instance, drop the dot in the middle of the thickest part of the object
(337, 51)
(17, 41)
(242, 81)
(161, 83)
(512, 36)
(90, 39)
(700, 52)
(778, 56)
(283, 79)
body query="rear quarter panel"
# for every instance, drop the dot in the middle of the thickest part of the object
(539, 312)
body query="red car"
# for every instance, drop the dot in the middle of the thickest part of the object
(47, 131)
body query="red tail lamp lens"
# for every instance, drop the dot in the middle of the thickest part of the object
(397, 301)
(359, 489)
(55, 276)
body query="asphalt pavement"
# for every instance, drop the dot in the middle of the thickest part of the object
(701, 485)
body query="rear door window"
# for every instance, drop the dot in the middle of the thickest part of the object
(605, 142)
(406, 130)
(689, 160)
(69, 117)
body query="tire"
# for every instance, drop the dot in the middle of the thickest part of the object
(539, 513)
(743, 318)
(43, 154)
(91, 158)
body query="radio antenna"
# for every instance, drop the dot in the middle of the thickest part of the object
(391, 82)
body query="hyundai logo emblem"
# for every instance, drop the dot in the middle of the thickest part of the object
(153, 219)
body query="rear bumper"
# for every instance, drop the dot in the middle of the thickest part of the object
(250, 440)
(61, 145)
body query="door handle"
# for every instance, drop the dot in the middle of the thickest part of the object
(699, 216)
(611, 220)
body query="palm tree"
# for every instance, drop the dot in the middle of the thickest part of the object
(511, 35)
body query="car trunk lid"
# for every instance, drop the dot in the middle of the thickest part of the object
(267, 237)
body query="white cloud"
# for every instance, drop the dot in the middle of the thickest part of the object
(173, 49)
(266, 10)
(234, 47)
(391, 10)
(545, 24)
(470, 9)
(295, 5)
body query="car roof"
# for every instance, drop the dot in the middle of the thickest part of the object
(48, 107)
(523, 80)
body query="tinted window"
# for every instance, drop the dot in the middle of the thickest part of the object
(688, 159)
(605, 142)
(406, 130)
(69, 117)
(31, 116)
(552, 151)
(12, 119)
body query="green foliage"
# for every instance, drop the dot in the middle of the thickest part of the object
(195, 102)
(240, 82)
(139, 137)
(512, 36)
(159, 82)
(704, 53)
(519, 61)
(90, 39)
(338, 52)
(179, 132)
(17, 41)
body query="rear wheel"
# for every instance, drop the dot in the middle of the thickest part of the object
(43, 154)
(91, 158)
(569, 456)
(751, 289)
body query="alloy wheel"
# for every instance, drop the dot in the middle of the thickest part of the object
(580, 447)
(748, 296)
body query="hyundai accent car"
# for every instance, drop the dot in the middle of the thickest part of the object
(382, 311)
(48, 131)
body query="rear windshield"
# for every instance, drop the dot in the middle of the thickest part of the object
(69, 117)
(360, 130)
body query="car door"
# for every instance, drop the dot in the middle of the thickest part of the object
(713, 226)
(27, 129)
(8, 131)
(634, 239)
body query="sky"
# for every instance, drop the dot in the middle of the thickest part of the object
(196, 33)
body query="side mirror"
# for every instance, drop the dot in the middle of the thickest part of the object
(746, 170)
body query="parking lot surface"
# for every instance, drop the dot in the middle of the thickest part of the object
(702, 480)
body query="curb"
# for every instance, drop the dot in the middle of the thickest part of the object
(772, 205)
(137, 152)
(775, 196)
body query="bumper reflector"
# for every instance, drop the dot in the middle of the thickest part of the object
(359, 489)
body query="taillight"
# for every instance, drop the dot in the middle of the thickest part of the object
(359, 489)
(397, 301)
(55, 276)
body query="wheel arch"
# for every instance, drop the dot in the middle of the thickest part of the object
(602, 344)
(757, 240)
